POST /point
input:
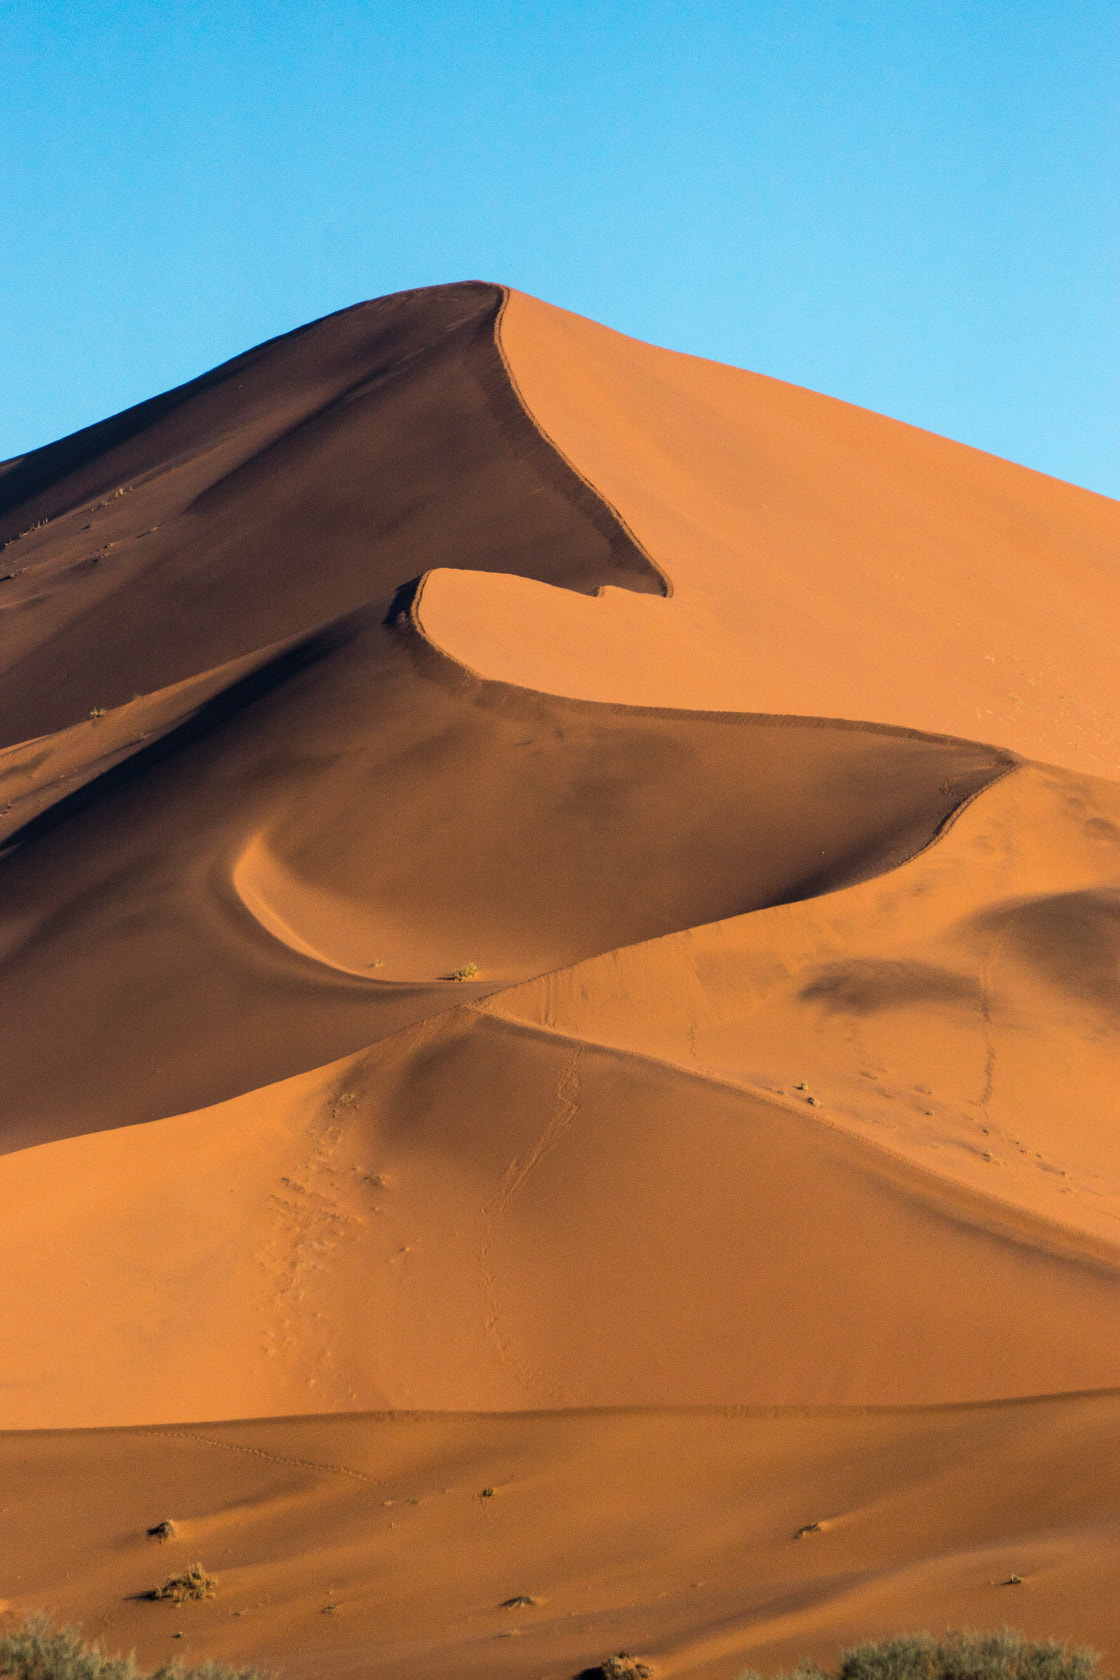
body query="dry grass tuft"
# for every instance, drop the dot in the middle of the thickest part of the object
(192, 1583)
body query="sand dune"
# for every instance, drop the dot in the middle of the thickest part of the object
(748, 756)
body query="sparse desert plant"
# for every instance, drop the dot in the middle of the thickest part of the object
(191, 1583)
(622, 1667)
(955, 1656)
(466, 972)
(40, 1651)
(97, 711)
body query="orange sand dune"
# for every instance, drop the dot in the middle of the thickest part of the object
(747, 755)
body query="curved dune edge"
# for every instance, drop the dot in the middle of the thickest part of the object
(259, 881)
(472, 821)
(796, 528)
(313, 922)
(572, 466)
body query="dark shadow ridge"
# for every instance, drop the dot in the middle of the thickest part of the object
(868, 986)
(1071, 941)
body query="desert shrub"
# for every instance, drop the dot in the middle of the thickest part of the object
(621, 1667)
(955, 1656)
(191, 1583)
(466, 972)
(39, 1651)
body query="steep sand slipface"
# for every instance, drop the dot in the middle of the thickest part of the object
(825, 561)
(299, 482)
(265, 1157)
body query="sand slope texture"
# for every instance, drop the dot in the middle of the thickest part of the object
(561, 948)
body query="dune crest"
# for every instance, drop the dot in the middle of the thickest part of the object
(824, 560)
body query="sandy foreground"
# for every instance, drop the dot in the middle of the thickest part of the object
(366, 1544)
(753, 759)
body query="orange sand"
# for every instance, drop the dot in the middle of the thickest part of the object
(754, 750)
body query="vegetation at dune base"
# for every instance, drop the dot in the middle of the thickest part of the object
(39, 1651)
(954, 1656)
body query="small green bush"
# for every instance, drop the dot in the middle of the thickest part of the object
(956, 1656)
(39, 1651)
(467, 972)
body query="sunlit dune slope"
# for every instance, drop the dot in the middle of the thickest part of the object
(824, 560)
(478, 1214)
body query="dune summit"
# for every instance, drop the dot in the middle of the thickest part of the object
(561, 905)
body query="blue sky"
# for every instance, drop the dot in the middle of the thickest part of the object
(911, 204)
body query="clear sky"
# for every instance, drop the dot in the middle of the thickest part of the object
(911, 204)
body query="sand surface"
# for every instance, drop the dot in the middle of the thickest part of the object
(366, 1545)
(560, 932)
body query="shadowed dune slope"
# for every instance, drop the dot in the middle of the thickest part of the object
(824, 559)
(294, 484)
